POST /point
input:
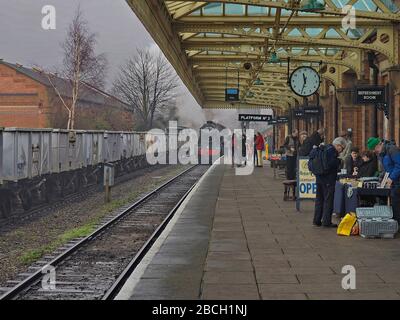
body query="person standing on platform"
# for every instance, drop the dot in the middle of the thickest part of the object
(260, 145)
(302, 137)
(255, 156)
(353, 161)
(347, 151)
(389, 155)
(291, 146)
(314, 140)
(244, 149)
(325, 164)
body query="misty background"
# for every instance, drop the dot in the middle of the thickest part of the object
(119, 34)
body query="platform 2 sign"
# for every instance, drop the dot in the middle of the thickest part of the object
(255, 117)
(370, 95)
(306, 182)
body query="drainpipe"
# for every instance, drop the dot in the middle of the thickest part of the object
(336, 116)
(375, 74)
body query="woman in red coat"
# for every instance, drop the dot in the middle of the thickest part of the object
(260, 143)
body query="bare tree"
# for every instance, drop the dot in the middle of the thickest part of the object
(81, 66)
(147, 83)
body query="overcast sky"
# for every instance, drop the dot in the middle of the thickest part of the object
(23, 40)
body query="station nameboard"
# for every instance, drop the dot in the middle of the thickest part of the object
(370, 95)
(232, 94)
(312, 111)
(255, 117)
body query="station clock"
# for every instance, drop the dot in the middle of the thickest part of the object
(305, 81)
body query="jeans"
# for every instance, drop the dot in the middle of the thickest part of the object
(324, 204)
(255, 157)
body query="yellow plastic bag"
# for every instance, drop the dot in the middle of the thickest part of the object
(346, 225)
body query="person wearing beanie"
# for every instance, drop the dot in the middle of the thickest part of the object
(326, 182)
(389, 155)
(349, 145)
(310, 142)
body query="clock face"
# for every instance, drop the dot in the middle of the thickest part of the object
(305, 81)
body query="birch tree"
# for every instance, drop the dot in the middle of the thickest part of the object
(81, 65)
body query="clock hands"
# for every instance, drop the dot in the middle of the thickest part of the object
(305, 82)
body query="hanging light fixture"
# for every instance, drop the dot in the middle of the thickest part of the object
(312, 5)
(274, 58)
(258, 82)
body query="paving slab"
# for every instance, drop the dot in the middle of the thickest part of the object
(238, 239)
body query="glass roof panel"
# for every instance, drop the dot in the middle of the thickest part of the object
(295, 33)
(196, 13)
(214, 9)
(332, 33)
(256, 10)
(234, 9)
(313, 31)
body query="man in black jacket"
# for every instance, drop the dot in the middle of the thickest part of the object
(369, 165)
(326, 185)
(353, 161)
(314, 140)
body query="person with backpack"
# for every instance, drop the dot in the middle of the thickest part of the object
(325, 164)
(389, 155)
(314, 140)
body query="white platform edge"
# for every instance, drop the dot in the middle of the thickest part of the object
(128, 289)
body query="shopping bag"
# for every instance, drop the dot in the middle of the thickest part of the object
(355, 231)
(346, 225)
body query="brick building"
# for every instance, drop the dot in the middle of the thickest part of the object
(28, 100)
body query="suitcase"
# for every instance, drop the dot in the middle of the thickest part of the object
(338, 203)
(378, 228)
(383, 212)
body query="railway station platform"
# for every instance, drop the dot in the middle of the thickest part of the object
(235, 238)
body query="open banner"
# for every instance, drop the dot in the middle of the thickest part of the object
(306, 182)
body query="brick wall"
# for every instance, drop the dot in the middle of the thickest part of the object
(26, 103)
(22, 100)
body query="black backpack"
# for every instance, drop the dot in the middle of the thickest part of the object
(318, 161)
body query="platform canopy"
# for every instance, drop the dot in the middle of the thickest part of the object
(214, 45)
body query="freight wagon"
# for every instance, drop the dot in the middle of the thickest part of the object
(40, 165)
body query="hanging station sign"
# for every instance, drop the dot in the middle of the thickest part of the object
(255, 117)
(279, 120)
(232, 94)
(312, 111)
(298, 113)
(283, 119)
(370, 95)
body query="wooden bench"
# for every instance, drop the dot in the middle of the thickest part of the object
(290, 185)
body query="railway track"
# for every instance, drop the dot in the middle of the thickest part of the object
(42, 209)
(95, 267)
